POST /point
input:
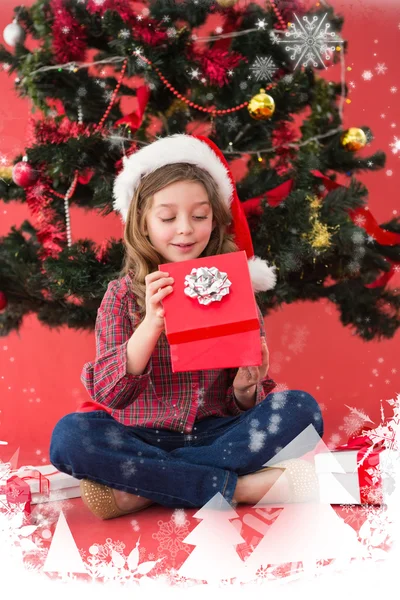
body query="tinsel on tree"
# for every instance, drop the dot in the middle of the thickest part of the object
(241, 83)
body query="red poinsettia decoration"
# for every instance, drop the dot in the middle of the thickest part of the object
(147, 31)
(122, 7)
(69, 38)
(283, 134)
(216, 63)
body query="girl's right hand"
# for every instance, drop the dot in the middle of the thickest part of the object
(158, 285)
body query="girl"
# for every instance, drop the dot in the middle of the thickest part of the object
(178, 438)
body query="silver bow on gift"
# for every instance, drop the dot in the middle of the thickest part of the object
(207, 285)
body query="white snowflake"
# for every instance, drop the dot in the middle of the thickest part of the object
(353, 266)
(115, 141)
(128, 467)
(113, 436)
(65, 29)
(310, 42)
(263, 68)
(171, 32)
(279, 400)
(261, 24)
(395, 145)
(367, 75)
(393, 89)
(358, 237)
(288, 78)
(82, 91)
(359, 220)
(274, 421)
(257, 439)
(125, 34)
(274, 37)
(179, 517)
(381, 68)
(232, 123)
(194, 74)
(299, 342)
(354, 422)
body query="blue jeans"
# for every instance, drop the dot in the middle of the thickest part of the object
(176, 469)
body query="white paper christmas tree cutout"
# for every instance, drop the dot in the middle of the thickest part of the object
(304, 531)
(309, 442)
(14, 460)
(63, 556)
(215, 556)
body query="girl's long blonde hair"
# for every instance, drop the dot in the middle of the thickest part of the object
(140, 256)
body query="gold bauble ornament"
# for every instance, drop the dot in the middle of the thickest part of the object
(226, 3)
(353, 139)
(261, 106)
(6, 173)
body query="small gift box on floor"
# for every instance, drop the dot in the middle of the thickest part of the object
(358, 472)
(211, 317)
(35, 485)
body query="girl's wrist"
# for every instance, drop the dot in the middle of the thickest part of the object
(245, 398)
(247, 390)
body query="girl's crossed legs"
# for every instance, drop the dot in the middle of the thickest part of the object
(222, 454)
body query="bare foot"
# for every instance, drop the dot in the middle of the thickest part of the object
(126, 501)
(251, 488)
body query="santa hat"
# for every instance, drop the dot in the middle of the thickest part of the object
(200, 151)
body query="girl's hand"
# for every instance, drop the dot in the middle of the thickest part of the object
(158, 285)
(248, 376)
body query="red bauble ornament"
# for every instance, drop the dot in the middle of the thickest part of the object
(24, 174)
(3, 301)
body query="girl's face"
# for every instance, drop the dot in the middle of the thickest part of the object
(181, 214)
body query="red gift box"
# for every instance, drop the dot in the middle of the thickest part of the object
(219, 335)
(360, 479)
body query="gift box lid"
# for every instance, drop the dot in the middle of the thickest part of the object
(343, 461)
(187, 320)
(57, 479)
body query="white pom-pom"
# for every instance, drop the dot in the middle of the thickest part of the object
(263, 277)
(13, 34)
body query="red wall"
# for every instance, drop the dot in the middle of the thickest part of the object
(309, 348)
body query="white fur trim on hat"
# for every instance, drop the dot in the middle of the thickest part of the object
(262, 276)
(176, 148)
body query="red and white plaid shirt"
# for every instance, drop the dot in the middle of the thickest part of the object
(158, 398)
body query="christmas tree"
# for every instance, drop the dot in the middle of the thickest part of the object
(242, 85)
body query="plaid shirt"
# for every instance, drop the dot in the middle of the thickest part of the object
(158, 398)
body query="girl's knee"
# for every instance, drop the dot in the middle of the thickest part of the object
(308, 406)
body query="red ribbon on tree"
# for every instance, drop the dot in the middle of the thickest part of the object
(135, 118)
(362, 217)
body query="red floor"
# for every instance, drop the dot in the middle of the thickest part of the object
(158, 532)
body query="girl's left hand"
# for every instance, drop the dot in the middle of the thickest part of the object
(248, 376)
